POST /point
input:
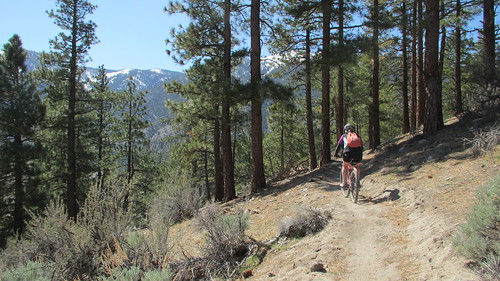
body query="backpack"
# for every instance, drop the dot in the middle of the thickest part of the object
(353, 140)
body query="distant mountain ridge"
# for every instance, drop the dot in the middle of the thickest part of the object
(153, 80)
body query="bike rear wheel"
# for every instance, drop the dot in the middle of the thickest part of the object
(345, 188)
(355, 186)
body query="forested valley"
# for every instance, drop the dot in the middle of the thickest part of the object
(86, 195)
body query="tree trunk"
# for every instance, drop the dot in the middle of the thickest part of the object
(406, 120)
(228, 170)
(258, 178)
(441, 66)
(375, 117)
(129, 146)
(18, 215)
(326, 6)
(420, 64)
(309, 116)
(71, 201)
(340, 97)
(433, 117)
(458, 62)
(489, 41)
(218, 177)
(282, 143)
(100, 144)
(414, 69)
(207, 182)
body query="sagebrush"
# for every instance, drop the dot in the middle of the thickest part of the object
(479, 238)
(306, 221)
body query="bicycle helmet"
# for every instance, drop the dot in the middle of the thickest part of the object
(349, 125)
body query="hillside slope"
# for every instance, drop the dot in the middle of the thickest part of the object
(415, 193)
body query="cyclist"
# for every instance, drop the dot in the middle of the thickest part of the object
(352, 150)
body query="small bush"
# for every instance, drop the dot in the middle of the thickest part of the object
(148, 248)
(123, 274)
(136, 273)
(485, 141)
(30, 271)
(307, 221)
(479, 237)
(490, 267)
(224, 250)
(179, 197)
(73, 250)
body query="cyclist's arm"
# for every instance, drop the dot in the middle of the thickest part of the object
(340, 145)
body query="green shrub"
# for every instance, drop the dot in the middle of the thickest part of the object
(479, 237)
(70, 249)
(306, 221)
(135, 273)
(224, 250)
(179, 197)
(148, 248)
(158, 275)
(27, 272)
(123, 274)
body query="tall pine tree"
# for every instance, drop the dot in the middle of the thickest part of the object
(70, 51)
(21, 112)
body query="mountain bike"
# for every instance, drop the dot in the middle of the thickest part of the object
(353, 184)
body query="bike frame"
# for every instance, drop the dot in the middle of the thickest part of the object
(352, 187)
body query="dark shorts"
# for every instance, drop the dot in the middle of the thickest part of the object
(353, 154)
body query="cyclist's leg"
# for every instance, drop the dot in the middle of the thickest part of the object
(345, 166)
(358, 170)
(347, 158)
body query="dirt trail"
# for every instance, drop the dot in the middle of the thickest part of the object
(359, 244)
(370, 242)
(416, 192)
(393, 233)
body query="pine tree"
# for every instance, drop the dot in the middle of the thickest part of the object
(489, 39)
(404, 45)
(340, 115)
(104, 104)
(458, 59)
(414, 68)
(227, 155)
(434, 115)
(326, 9)
(295, 32)
(374, 127)
(130, 135)
(21, 112)
(209, 38)
(421, 96)
(258, 178)
(70, 50)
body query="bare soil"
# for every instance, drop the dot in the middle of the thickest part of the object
(415, 193)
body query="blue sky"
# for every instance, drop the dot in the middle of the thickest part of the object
(132, 33)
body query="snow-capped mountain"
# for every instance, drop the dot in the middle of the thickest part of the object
(152, 82)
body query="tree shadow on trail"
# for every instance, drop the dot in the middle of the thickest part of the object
(392, 195)
(325, 178)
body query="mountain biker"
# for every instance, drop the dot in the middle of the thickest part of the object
(351, 152)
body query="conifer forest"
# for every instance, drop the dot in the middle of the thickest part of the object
(79, 175)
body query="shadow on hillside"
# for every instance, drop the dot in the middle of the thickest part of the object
(326, 178)
(402, 157)
(386, 195)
